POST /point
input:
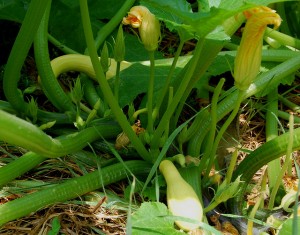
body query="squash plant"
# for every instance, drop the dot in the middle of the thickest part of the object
(101, 105)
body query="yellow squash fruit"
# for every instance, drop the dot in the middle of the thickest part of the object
(82, 63)
(181, 197)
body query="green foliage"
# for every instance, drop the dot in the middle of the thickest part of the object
(153, 218)
(178, 15)
(65, 20)
(76, 24)
(287, 226)
(55, 226)
(13, 10)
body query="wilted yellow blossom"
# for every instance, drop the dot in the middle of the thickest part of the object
(248, 58)
(149, 28)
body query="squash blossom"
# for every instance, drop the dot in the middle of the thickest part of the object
(149, 28)
(248, 58)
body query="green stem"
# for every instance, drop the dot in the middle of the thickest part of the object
(208, 54)
(213, 127)
(287, 162)
(19, 52)
(19, 166)
(117, 111)
(273, 76)
(211, 206)
(178, 95)
(69, 189)
(22, 133)
(91, 95)
(167, 82)
(285, 116)
(257, 205)
(138, 112)
(61, 46)
(282, 38)
(231, 166)
(50, 85)
(211, 48)
(268, 55)
(272, 132)
(108, 28)
(117, 81)
(289, 104)
(222, 131)
(150, 125)
(267, 152)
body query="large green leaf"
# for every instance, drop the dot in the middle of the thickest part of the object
(65, 23)
(287, 226)
(65, 20)
(13, 10)
(173, 21)
(134, 80)
(200, 23)
(152, 218)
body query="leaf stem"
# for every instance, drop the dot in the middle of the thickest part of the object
(283, 38)
(222, 131)
(211, 135)
(108, 28)
(117, 81)
(287, 162)
(272, 132)
(178, 95)
(167, 83)
(107, 92)
(19, 52)
(150, 124)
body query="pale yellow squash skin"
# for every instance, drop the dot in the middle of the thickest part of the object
(181, 197)
(82, 63)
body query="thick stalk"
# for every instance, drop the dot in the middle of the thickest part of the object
(167, 83)
(211, 136)
(69, 189)
(22, 133)
(282, 38)
(221, 133)
(287, 162)
(50, 85)
(91, 95)
(19, 166)
(117, 111)
(108, 28)
(178, 95)
(150, 93)
(271, 133)
(269, 151)
(19, 52)
(117, 81)
(291, 105)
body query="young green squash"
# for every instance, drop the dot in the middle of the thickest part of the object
(181, 197)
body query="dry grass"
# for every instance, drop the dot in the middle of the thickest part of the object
(74, 219)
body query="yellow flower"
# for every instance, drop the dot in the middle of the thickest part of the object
(149, 28)
(248, 58)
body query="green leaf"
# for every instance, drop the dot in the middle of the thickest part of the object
(55, 227)
(153, 218)
(134, 80)
(200, 23)
(173, 21)
(13, 10)
(287, 226)
(65, 20)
